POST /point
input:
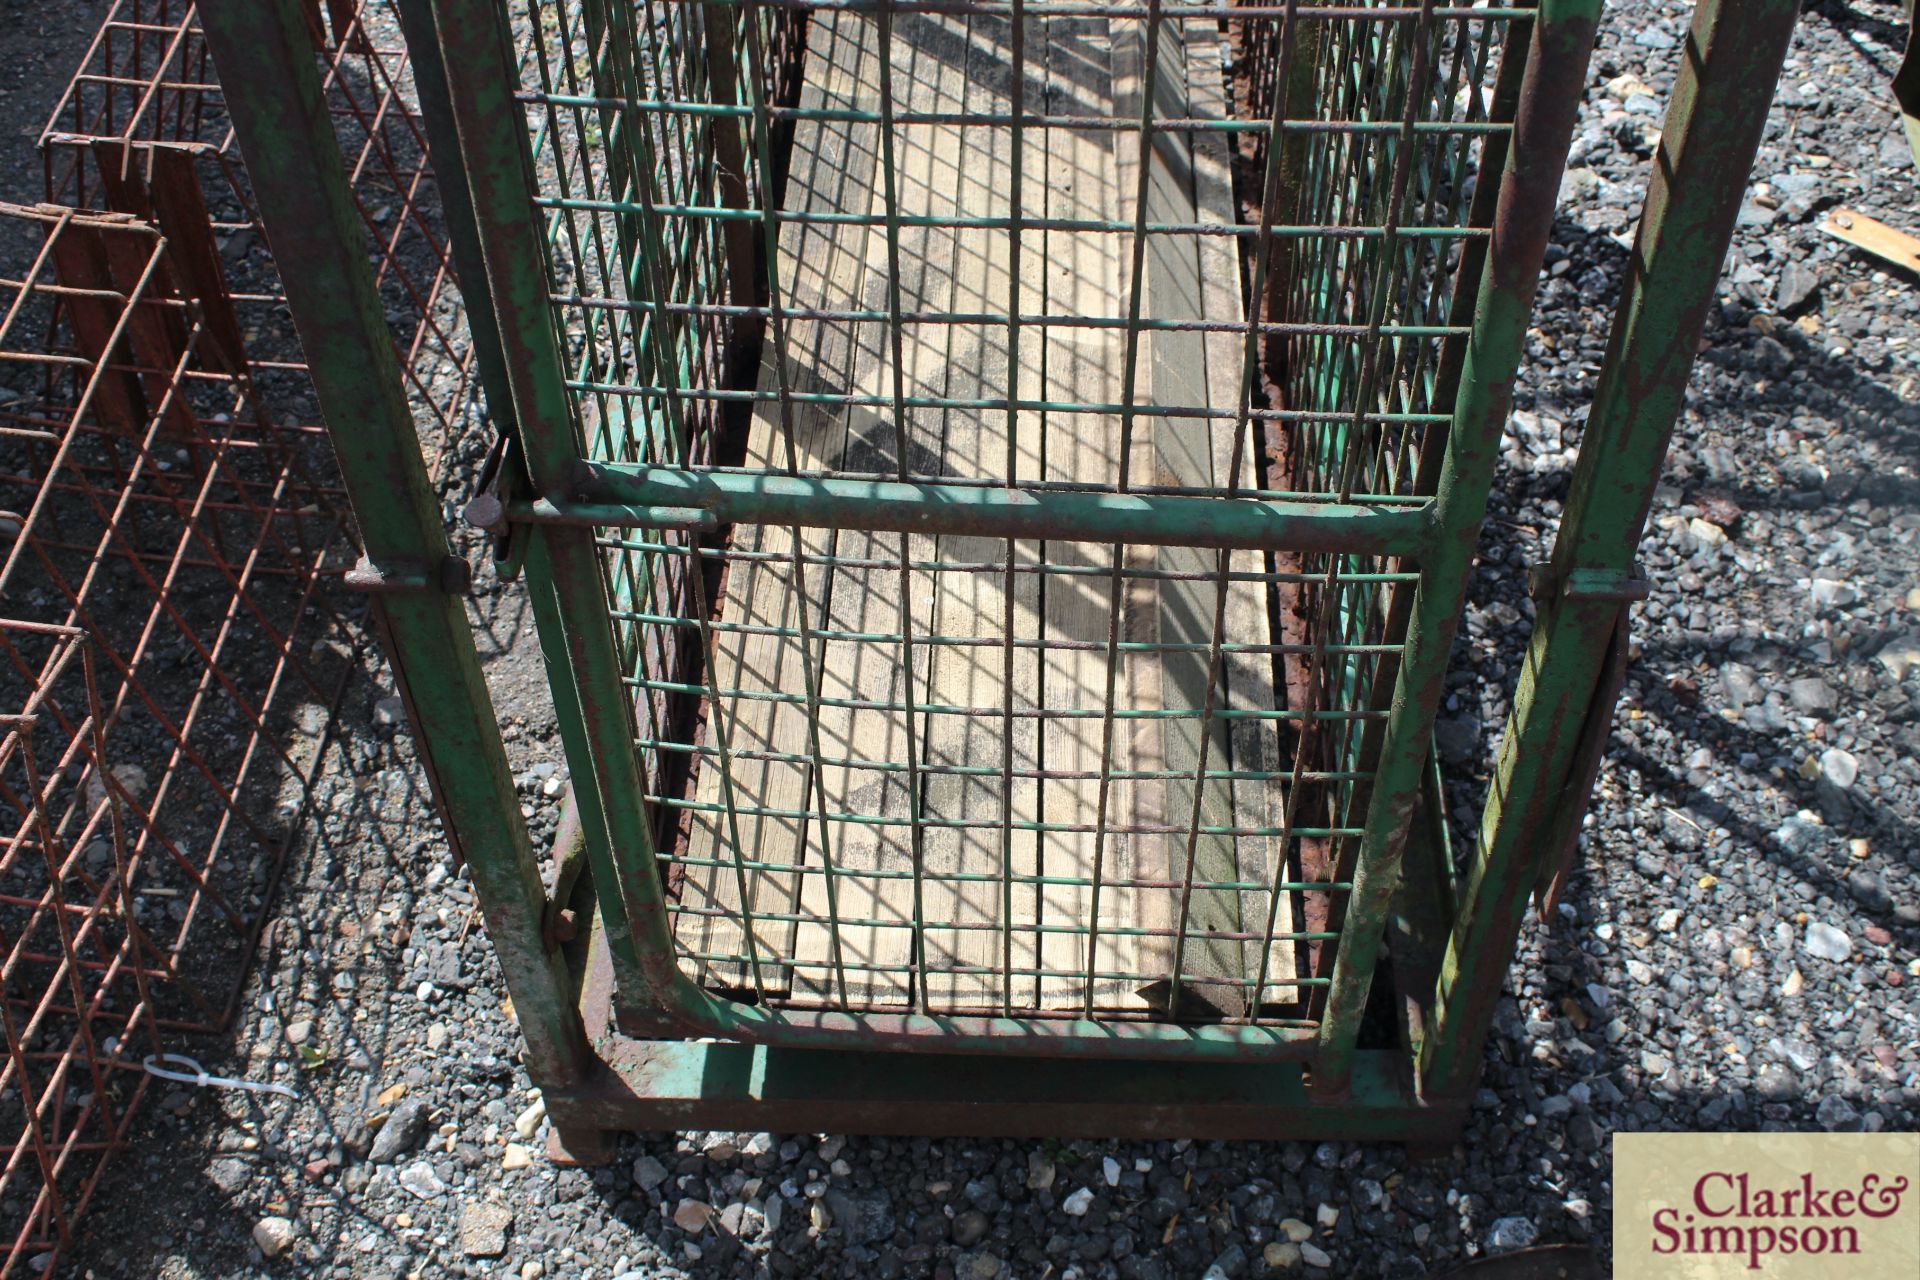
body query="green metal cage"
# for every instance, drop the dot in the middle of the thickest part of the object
(948, 703)
(996, 483)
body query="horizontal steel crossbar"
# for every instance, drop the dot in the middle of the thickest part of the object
(1084, 9)
(992, 120)
(638, 496)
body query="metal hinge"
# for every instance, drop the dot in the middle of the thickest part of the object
(487, 509)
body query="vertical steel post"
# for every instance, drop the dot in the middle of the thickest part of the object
(1730, 64)
(563, 564)
(731, 171)
(456, 205)
(293, 159)
(1563, 34)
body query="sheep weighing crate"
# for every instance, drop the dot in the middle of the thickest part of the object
(996, 483)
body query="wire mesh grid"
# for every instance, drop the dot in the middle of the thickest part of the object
(1197, 251)
(79, 1014)
(154, 511)
(141, 128)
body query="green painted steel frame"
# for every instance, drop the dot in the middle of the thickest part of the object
(1712, 131)
(799, 1068)
(1563, 34)
(293, 157)
(682, 1084)
(572, 607)
(572, 614)
(638, 496)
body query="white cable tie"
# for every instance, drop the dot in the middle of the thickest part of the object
(197, 1075)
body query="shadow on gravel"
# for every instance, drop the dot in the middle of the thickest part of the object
(329, 979)
(1800, 381)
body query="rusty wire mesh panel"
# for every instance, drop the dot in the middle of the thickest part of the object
(168, 492)
(155, 510)
(79, 1014)
(1092, 254)
(141, 128)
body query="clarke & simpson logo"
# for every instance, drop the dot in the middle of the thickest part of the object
(1729, 1215)
(1775, 1204)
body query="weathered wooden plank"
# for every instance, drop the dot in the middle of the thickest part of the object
(967, 967)
(820, 266)
(1249, 677)
(876, 909)
(1083, 277)
(1192, 278)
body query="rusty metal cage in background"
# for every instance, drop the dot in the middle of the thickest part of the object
(996, 483)
(141, 128)
(167, 568)
(174, 538)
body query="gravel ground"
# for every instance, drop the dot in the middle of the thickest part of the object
(1732, 956)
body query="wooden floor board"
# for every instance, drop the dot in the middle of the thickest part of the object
(1082, 277)
(1250, 684)
(1184, 608)
(960, 64)
(821, 265)
(974, 924)
(929, 74)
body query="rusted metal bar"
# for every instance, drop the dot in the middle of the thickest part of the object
(1719, 107)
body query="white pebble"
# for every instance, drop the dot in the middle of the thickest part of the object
(1827, 942)
(274, 1236)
